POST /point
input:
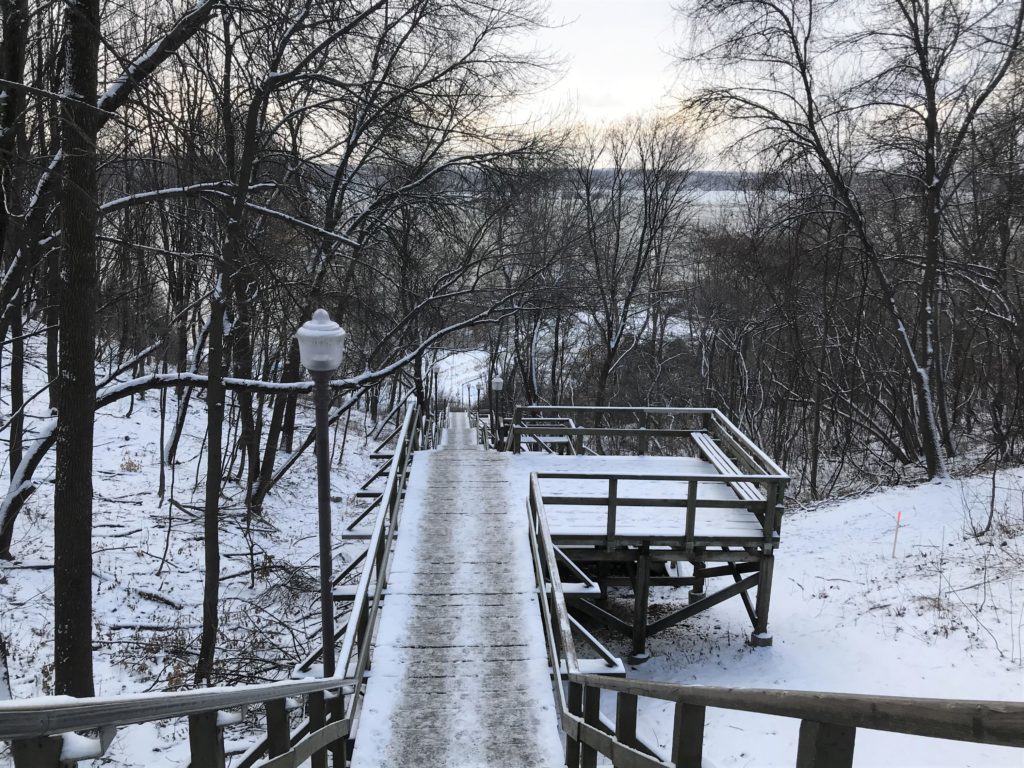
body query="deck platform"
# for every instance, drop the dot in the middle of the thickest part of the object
(459, 673)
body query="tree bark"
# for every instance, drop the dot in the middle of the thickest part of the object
(72, 504)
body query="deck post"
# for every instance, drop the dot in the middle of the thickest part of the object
(697, 591)
(760, 637)
(613, 509)
(641, 594)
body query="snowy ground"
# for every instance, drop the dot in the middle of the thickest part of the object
(943, 618)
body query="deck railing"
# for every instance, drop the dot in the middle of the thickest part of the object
(642, 426)
(44, 732)
(828, 721)
(767, 507)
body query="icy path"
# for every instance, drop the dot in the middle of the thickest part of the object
(459, 674)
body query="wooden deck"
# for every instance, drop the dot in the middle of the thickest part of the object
(459, 672)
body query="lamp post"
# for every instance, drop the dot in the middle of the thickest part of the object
(321, 349)
(497, 384)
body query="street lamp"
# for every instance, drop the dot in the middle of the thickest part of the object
(321, 349)
(497, 384)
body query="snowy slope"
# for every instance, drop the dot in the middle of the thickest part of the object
(148, 617)
(944, 618)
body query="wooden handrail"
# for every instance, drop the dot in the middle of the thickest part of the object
(48, 715)
(685, 478)
(985, 722)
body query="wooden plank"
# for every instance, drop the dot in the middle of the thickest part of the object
(688, 736)
(823, 745)
(620, 755)
(647, 501)
(27, 719)
(311, 742)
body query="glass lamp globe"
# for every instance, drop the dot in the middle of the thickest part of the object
(321, 343)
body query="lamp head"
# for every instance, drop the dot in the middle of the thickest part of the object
(498, 384)
(321, 343)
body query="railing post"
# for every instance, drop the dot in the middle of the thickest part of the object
(205, 740)
(625, 718)
(317, 719)
(592, 717)
(613, 504)
(278, 732)
(824, 745)
(339, 749)
(40, 752)
(572, 746)
(688, 736)
(691, 513)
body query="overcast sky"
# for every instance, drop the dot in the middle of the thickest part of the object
(617, 57)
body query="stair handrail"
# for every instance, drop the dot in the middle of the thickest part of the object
(37, 728)
(359, 632)
(52, 715)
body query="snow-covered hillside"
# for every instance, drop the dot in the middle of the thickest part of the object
(943, 618)
(148, 566)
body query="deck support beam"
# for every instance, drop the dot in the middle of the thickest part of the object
(641, 600)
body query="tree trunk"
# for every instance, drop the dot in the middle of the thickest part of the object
(211, 509)
(76, 401)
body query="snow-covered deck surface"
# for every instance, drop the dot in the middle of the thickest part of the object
(571, 520)
(459, 671)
